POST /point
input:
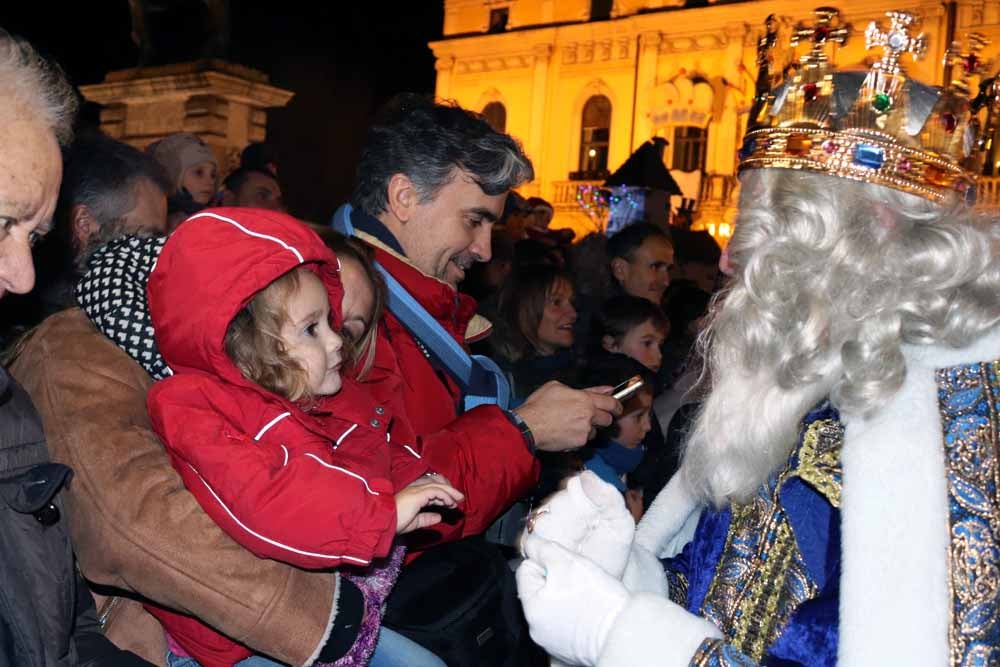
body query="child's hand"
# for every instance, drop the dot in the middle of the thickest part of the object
(411, 501)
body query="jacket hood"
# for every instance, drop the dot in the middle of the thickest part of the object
(212, 266)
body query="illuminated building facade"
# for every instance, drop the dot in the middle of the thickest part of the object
(582, 83)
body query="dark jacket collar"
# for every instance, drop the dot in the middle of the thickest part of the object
(374, 227)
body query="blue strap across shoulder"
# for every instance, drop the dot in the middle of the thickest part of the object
(480, 379)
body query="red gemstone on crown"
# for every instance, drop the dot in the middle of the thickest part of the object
(830, 146)
(821, 33)
(904, 165)
(971, 64)
(810, 91)
(949, 122)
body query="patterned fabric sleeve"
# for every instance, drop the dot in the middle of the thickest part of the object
(678, 587)
(717, 653)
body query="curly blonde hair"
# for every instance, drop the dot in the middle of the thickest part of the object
(832, 278)
(253, 341)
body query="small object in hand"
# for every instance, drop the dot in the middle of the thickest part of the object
(626, 389)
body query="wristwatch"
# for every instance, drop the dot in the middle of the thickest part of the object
(522, 426)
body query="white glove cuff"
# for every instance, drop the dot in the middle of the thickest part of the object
(651, 630)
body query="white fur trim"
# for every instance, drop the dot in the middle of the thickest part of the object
(670, 521)
(894, 599)
(653, 631)
(644, 573)
(334, 608)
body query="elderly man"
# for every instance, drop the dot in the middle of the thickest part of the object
(432, 182)
(135, 527)
(847, 451)
(47, 615)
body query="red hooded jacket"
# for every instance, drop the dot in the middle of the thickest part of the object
(314, 489)
(480, 451)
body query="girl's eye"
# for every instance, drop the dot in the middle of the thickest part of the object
(311, 329)
(34, 238)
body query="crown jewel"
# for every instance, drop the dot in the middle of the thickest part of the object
(877, 126)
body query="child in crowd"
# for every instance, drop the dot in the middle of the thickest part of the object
(617, 450)
(281, 447)
(637, 328)
(194, 174)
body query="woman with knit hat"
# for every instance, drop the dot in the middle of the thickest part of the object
(193, 171)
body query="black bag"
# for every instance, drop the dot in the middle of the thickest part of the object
(459, 600)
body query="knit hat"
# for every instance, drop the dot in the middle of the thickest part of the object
(113, 295)
(177, 152)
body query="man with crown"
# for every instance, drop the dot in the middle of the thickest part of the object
(838, 495)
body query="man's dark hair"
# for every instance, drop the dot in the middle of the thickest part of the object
(258, 155)
(238, 178)
(102, 174)
(625, 242)
(427, 141)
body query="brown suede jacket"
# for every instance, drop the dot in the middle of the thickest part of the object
(134, 525)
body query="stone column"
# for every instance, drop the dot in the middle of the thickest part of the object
(444, 65)
(542, 54)
(724, 133)
(648, 55)
(223, 103)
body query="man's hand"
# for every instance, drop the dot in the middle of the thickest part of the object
(562, 418)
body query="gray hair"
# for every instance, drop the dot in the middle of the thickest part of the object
(428, 141)
(832, 278)
(33, 87)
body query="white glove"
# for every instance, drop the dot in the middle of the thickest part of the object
(571, 604)
(588, 517)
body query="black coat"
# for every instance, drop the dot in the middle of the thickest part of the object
(47, 616)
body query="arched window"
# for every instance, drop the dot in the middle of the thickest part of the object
(496, 115)
(595, 134)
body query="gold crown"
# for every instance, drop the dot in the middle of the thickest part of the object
(877, 126)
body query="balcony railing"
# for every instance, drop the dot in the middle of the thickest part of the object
(564, 197)
(988, 192)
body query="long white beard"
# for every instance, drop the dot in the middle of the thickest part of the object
(745, 431)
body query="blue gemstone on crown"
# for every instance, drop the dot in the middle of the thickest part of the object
(748, 147)
(868, 155)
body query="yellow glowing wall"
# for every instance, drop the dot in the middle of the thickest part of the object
(552, 58)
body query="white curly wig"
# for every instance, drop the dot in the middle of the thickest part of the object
(831, 277)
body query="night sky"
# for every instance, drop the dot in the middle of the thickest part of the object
(342, 60)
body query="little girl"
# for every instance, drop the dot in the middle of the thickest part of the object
(286, 454)
(193, 171)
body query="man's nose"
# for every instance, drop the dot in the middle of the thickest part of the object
(16, 266)
(481, 244)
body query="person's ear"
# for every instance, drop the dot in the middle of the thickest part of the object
(610, 345)
(403, 197)
(82, 224)
(619, 269)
